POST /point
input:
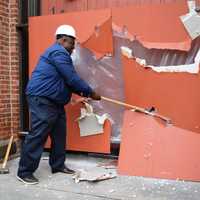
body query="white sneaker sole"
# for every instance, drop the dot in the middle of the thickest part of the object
(27, 183)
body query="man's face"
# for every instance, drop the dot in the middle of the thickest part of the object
(68, 43)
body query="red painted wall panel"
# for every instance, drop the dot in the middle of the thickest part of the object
(175, 95)
(39, 27)
(157, 150)
(58, 6)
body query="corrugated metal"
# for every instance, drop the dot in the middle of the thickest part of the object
(59, 6)
(33, 7)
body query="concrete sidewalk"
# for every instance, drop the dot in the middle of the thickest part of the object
(60, 186)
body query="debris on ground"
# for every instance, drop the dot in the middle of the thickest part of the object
(94, 175)
(109, 165)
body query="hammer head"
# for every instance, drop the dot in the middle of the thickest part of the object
(4, 170)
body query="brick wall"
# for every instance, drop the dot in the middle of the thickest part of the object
(9, 69)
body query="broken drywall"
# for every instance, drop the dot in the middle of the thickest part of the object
(86, 32)
(175, 95)
(152, 25)
(158, 151)
(94, 175)
(101, 41)
(91, 123)
(191, 22)
(189, 68)
(108, 70)
(105, 76)
(126, 52)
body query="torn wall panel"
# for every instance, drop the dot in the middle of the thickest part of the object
(95, 143)
(41, 30)
(163, 57)
(175, 95)
(190, 68)
(102, 73)
(39, 27)
(152, 24)
(101, 41)
(105, 75)
(157, 150)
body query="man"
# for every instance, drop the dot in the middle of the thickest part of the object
(52, 83)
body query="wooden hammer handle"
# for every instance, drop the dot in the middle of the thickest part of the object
(120, 103)
(136, 108)
(7, 152)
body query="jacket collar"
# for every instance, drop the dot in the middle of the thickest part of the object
(62, 47)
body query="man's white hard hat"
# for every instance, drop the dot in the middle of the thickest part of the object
(66, 30)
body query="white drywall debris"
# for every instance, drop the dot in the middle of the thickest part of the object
(189, 68)
(126, 52)
(89, 122)
(191, 21)
(94, 175)
(141, 61)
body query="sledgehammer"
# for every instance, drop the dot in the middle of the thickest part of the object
(3, 169)
(135, 108)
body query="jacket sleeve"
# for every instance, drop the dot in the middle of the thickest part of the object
(65, 68)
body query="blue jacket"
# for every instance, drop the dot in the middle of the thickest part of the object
(55, 77)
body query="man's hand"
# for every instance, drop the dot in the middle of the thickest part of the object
(79, 100)
(95, 96)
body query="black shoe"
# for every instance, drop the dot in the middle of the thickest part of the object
(29, 180)
(65, 170)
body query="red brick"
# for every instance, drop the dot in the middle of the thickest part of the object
(9, 60)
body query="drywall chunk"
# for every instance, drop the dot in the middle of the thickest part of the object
(89, 122)
(191, 22)
(126, 52)
(189, 68)
(94, 175)
(141, 61)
